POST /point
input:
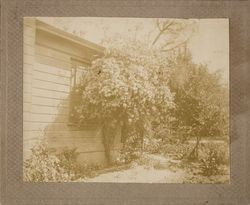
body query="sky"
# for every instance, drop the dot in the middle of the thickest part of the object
(209, 44)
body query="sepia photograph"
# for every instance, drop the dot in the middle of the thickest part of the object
(126, 100)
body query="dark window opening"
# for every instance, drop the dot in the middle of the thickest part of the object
(77, 73)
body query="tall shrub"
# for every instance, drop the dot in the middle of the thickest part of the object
(128, 87)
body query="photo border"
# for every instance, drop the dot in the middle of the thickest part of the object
(15, 191)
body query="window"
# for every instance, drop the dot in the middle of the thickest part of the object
(76, 75)
(77, 71)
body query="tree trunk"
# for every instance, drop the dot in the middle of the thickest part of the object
(194, 155)
(109, 134)
(142, 140)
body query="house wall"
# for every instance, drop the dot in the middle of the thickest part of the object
(47, 75)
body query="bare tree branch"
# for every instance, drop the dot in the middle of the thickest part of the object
(164, 28)
(173, 29)
(179, 44)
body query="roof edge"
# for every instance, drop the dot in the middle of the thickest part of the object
(56, 31)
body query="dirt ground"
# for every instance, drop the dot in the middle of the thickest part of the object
(141, 174)
(156, 172)
(157, 169)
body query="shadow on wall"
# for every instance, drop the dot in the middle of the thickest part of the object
(88, 139)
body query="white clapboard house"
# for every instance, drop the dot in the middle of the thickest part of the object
(53, 60)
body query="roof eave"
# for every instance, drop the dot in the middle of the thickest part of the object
(40, 25)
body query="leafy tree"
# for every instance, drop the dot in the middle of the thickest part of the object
(201, 102)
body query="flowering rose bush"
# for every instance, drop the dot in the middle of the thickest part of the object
(117, 87)
(129, 86)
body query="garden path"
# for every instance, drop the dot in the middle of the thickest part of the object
(156, 172)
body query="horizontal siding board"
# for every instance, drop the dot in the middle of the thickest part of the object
(38, 109)
(81, 147)
(32, 142)
(45, 101)
(38, 126)
(27, 135)
(40, 92)
(56, 69)
(76, 140)
(53, 73)
(87, 136)
(50, 86)
(49, 118)
(41, 126)
(38, 75)
(33, 135)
